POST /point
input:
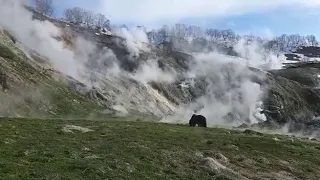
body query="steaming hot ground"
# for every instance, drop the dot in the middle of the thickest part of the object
(52, 69)
(77, 73)
(120, 149)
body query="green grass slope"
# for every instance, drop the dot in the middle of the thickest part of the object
(35, 91)
(119, 149)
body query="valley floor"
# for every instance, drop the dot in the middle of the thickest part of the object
(119, 149)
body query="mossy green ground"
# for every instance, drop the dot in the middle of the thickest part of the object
(33, 92)
(119, 149)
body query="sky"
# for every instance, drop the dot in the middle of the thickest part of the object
(260, 17)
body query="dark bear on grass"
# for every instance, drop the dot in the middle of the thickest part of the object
(199, 120)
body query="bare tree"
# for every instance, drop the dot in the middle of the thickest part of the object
(68, 15)
(89, 17)
(106, 24)
(100, 20)
(312, 40)
(44, 7)
(76, 15)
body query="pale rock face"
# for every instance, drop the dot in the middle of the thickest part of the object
(212, 164)
(71, 128)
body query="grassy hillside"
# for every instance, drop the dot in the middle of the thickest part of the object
(35, 91)
(119, 149)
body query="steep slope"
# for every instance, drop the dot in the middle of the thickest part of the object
(290, 101)
(37, 92)
(129, 90)
(120, 92)
(304, 52)
(123, 93)
(123, 75)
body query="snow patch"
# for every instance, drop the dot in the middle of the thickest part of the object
(105, 31)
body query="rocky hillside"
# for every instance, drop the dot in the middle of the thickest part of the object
(126, 76)
(304, 53)
(120, 92)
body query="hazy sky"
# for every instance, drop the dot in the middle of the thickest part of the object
(264, 17)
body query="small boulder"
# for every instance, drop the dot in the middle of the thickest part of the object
(243, 126)
(212, 164)
(252, 132)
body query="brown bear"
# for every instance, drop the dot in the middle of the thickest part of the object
(199, 120)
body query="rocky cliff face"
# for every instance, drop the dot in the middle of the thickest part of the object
(304, 53)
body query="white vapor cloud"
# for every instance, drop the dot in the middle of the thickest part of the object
(136, 39)
(89, 63)
(255, 56)
(231, 97)
(150, 71)
(38, 36)
(229, 91)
